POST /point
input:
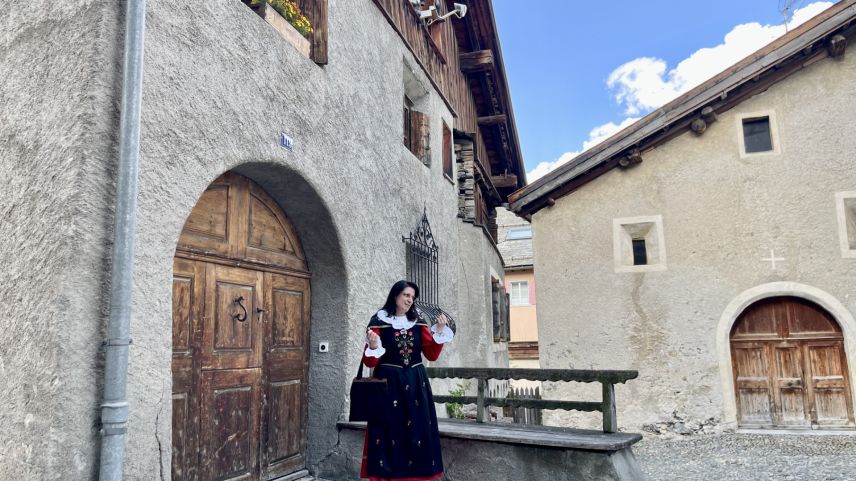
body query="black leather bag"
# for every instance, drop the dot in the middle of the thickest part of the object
(368, 397)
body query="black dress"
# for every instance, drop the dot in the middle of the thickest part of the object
(406, 446)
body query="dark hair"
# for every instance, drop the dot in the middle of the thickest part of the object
(399, 286)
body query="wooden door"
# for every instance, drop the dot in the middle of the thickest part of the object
(790, 369)
(240, 339)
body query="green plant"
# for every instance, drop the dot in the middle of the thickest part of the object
(456, 410)
(291, 12)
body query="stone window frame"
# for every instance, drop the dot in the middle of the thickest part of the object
(845, 207)
(622, 243)
(775, 138)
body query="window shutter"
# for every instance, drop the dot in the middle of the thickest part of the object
(506, 318)
(497, 312)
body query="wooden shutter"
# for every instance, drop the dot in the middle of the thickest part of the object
(447, 151)
(316, 12)
(420, 136)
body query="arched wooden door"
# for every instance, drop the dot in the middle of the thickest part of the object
(240, 331)
(790, 368)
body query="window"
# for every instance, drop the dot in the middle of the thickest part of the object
(447, 152)
(520, 293)
(640, 254)
(756, 135)
(638, 244)
(845, 204)
(516, 233)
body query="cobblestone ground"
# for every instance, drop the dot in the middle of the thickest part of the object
(755, 457)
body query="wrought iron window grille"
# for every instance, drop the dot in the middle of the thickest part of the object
(423, 269)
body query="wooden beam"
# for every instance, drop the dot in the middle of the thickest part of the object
(500, 181)
(492, 120)
(478, 61)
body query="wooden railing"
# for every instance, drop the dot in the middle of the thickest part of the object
(608, 380)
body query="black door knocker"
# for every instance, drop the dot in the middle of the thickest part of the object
(238, 317)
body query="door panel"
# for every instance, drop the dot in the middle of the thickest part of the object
(187, 301)
(287, 360)
(789, 392)
(229, 437)
(828, 381)
(232, 334)
(752, 383)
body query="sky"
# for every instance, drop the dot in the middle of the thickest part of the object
(580, 71)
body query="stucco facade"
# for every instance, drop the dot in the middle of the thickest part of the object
(722, 216)
(220, 86)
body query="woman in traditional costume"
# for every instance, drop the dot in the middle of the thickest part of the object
(405, 446)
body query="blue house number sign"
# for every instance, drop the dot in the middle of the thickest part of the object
(286, 142)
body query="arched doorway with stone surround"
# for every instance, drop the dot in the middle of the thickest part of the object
(242, 310)
(784, 350)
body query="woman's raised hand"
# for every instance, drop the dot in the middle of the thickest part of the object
(442, 322)
(372, 338)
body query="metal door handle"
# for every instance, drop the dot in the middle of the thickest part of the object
(238, 317)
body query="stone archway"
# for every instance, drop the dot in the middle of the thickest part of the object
(823, 300)
(241, 313)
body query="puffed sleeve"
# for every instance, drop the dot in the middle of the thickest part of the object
(371, 357)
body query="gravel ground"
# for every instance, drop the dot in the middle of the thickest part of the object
(755, 457)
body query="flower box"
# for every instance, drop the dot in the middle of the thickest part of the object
(281, 25)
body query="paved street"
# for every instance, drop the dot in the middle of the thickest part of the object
(739, 457)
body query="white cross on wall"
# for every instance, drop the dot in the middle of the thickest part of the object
(772, 259)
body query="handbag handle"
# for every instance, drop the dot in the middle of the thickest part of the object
(360, 369)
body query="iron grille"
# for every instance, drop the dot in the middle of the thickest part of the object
(423, 269)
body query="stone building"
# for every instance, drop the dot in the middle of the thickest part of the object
(711, 246)
(515, 245)
(274, 194)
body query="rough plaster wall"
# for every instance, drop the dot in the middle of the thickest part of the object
(56, 144)
(721, 215)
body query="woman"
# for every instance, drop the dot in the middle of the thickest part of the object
(406, 445)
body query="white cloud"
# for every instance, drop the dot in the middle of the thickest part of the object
(596, 136)
(644, 84)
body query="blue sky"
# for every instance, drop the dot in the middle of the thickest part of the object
(580, 70)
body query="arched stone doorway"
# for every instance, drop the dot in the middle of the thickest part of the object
(790, 366)
(241, 310)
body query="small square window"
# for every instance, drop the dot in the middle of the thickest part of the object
(756, 135)
(517, 233)
(846, 207)
(638, 244)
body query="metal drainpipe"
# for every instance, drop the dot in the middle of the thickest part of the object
(114, 409)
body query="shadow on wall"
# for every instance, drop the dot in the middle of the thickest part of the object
(319, 235)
